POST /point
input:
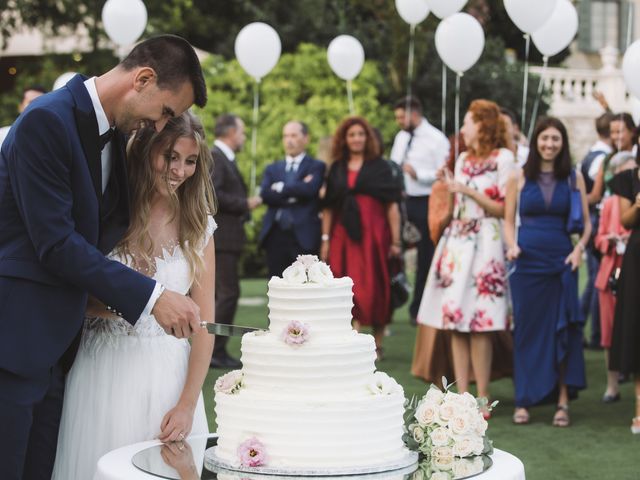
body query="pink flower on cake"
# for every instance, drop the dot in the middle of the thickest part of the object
(307, 260)
(252, 453)
(319, 273)
(229, 383)
(296, 333)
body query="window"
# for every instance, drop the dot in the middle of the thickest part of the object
(603, 23)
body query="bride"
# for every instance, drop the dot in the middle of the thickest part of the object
(130, 384)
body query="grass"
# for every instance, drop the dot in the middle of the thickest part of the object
(598, 445)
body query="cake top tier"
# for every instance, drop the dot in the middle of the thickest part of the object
(307, 270)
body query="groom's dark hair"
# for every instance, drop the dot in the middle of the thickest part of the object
(174, 61)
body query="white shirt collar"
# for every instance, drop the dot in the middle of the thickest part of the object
(297, 159)
(601, 146)
(103, 122)
(230, 154)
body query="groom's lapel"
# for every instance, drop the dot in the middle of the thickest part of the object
(87, 125)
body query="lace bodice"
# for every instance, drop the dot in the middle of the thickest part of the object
(171, 270)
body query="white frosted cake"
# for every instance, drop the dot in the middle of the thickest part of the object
(308, 397)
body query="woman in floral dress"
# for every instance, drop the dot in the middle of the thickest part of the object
(466, 287)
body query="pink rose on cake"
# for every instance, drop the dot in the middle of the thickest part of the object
(252, 453)
(229, 383)
(295, 333)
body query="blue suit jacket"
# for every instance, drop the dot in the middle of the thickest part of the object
(55, 228)
(305, 205)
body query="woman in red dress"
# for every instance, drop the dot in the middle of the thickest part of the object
(361, 222)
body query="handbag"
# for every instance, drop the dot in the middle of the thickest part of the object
(440, 210)
(400, 287)
(575, 219)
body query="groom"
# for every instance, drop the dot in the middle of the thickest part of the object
(63, 206)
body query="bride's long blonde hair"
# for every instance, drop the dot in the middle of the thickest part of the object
(193, 201)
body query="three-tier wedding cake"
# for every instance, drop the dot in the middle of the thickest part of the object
(308, 398)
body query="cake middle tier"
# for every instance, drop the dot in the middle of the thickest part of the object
(272, 367)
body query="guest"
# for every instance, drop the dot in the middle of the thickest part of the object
(421, 149)
(233, 211)
(361, 222)
(290, 188)
(611, 243)
(590, 165)
(466, 287)
(29, 94)
(623, 135)
(134, 383)
(625, 354)
(515, 143)
(548, 359)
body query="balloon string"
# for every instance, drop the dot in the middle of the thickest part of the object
(254, 135)
(407, 109)
(443, 119)
(457, 116)
(536, 104)
(527, 38)
(350, 97)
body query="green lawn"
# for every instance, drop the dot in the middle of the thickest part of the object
(598, 445)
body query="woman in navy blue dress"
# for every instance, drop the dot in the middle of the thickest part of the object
(547, 337)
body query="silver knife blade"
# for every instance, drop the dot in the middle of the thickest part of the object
(230, 330)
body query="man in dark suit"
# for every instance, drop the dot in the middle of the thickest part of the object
(63, 206)
(290, 187)
(233, 211)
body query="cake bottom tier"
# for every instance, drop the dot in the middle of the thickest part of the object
(327, 434)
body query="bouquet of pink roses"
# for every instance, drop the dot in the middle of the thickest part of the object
(444, 425)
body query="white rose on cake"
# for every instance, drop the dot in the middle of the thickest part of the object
(320, 273)
(295, 273)
(307, 260)
(383, 384)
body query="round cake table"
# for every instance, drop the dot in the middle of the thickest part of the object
(117, 465)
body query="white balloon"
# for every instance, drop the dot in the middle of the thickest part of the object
(559, 31)
(124, 20)
(529, 15)
(459, 41)
(62, 80)
(346, 56)
(631, 68)
(412, 11)
(258, 49)
(445, 8)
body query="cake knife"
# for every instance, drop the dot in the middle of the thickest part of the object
(231, 330)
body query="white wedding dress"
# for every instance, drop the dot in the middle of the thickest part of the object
(124, 380)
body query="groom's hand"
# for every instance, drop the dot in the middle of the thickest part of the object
(176, 314)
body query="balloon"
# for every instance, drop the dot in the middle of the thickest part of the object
(631, 68)
(124, 20)
(445, 8)
(529, 15)
(346, 56)
(258, 49)
(412, 11)
(62, 80)
(559, 31)
(459, 41)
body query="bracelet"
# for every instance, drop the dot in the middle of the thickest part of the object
(325, 237)
(580, 245)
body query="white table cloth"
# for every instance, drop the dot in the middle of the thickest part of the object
(116, 465)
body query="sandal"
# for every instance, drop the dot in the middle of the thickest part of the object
(635, 426)
(521, 416)
(561, 417)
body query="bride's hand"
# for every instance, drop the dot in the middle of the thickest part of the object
(176, 424)
(179, 456)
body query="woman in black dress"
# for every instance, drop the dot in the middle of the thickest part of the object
(625, 347)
